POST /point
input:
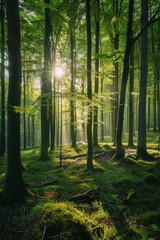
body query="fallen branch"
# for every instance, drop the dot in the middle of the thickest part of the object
(85, 154)
(87, 197)
(58, 235)
(43, 184)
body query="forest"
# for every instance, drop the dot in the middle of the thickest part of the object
(80, 119)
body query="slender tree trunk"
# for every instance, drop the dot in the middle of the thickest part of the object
(14, 189)
(158, 76)
(24, 114)
(2, 136)
(102, 114)
(89, 89)
(54, 104)
(95, 125)
(28, 102)
(72, 101)
(119, 150)
(46, 77)
(83, 118)
(141, 148)
(58, 118)
(131, 90)
(155, 86)
(116, 72)
(149, 111)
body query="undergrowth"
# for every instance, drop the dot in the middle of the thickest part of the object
(127, 206)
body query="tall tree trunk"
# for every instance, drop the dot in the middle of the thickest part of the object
(53, 127)
(158, 76)
(116, 72)
(24, 114)
(119, 149)
(141, 148)
(58, 118)
(83, 117)
(131, 90)
(28, 95)
(14, 190)
(89, 89)
(95, 124)
(102, 114)
(72, 101)
(46, 77)
(155, 86)
(149, 111)
(2, 136)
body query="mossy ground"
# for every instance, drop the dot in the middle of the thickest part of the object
(128, 204)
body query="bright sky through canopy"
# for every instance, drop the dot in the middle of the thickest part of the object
(59, 72)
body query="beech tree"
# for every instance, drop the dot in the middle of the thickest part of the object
(14, 189)
(46, 78)
(119, 148)
(2, 136)
(89, 88)
(141, 148)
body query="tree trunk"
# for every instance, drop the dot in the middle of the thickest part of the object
(119, 150)
(149, 111)
(14, 190)
(83, 117)
(24, 114)
(155, 86)
(102, 114)
(89, 88)
(46, 77)
(95, 124)
(116, 72)
(28, 95)
(54, 104)
(2, 136)
(72, 101)
(131, 90)
(158, 76)
(141, 148)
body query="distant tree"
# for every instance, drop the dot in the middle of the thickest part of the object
(14, 189)
(141, 147)
(89, 89)
(2, 136)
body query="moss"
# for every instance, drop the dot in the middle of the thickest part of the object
(151, 179)
(67, 222)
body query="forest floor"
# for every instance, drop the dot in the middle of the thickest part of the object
(120, 200)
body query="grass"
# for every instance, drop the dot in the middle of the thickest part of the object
(128, 206)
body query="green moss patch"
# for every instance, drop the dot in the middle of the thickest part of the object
(65, 221)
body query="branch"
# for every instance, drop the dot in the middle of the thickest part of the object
(151, 21)
(120, 8)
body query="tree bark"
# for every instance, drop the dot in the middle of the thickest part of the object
(24, 114)
(72, 101)
(119, 149)
(89, 89)
(2, 136)
(53, 127)
(46, 77)
(141, 148)
(95, 124)
(131, 90)
(14, 190)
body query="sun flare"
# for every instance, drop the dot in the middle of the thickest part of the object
(59, 72)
